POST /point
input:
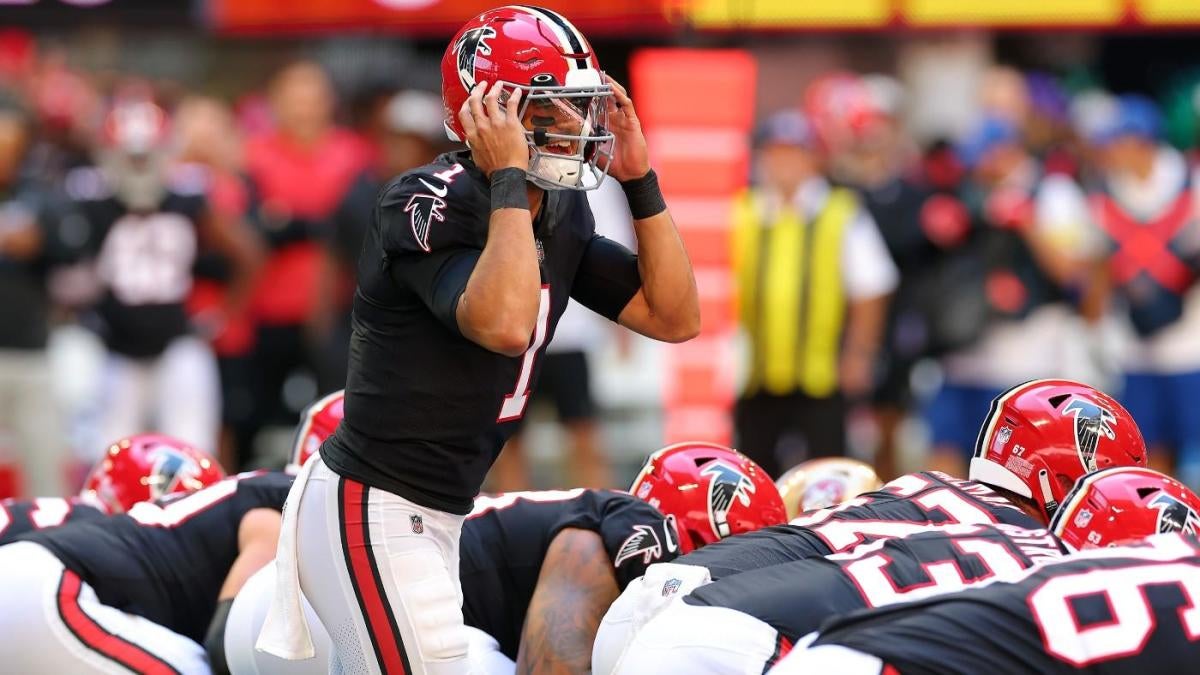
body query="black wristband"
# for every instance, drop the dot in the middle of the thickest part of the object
(645, 199)
(508, 189)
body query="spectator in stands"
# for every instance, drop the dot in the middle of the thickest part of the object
(813, 279)
(406, 131)
(35, 231)
(298, 174)
(1001, 314)
(1147, 217)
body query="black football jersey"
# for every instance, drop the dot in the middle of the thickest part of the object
(427, 410)
(144, 260)
(794, 598)
(1116, 611)
(506, 537)
(903, 507)
(18, 516)
(166, 560)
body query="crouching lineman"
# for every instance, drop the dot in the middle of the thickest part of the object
(1126, 610)
(139, 590)
(1036, 441)
(135, 469)
(539, 569)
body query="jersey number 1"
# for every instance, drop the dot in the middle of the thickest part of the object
(514, 404)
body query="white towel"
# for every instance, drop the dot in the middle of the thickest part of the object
(285, 632)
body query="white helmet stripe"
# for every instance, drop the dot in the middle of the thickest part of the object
(569, 39)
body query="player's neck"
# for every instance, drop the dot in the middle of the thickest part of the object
(536, 195)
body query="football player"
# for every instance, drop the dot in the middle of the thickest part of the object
(1038, 438)
(468, 265)
(539, 569)
(824, 482)
(135, 469)
(136, 591)
(1112, 610)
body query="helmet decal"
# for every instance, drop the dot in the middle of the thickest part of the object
(470, 44)
(726, 485)
(1174, 515)
(171, 468)
(644, 541)
(1091, 421)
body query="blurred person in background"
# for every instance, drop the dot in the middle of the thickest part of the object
(298, 173)
(1146, 214)
(876, 160)
(405, 131)
(1011, 261)
(813, 278)
(147, 219)
(206, 139)
(35, 231)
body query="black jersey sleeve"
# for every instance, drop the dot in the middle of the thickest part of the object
(18, 516)
(607, 278)
(432, 235)
(636, 536)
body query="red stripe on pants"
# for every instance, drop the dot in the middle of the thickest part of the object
(370, 591)
(97, 638)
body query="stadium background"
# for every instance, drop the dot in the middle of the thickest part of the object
(704, 74)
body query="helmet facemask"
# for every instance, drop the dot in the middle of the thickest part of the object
(569, 145)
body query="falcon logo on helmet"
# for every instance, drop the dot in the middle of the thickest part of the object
(643, 541)
(1091, 422)
(423, 210)
(1174, 515)
(171, 469)
(726, 485)
(471, 43)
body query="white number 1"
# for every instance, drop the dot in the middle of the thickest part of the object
(514, 404)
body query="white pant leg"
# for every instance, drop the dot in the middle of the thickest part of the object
(123, 397)
(661, 586)
(53, 623)
(187, 403)
(485, 655)
(389, 594)
(246, 618)
(701, 640)
(828, 659)
(32, 422)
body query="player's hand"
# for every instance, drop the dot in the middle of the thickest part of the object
(630, 159)
(494, 132)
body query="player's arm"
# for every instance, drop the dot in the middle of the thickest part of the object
(575, 588)
(258, 536)
(666, 307)
(229, 235)
(499, 307)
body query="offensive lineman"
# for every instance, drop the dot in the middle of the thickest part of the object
(136, 590)
(468, 265)
(1037, 440)
(539, 569)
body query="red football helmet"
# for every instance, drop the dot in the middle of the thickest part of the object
(710, 491)
(317, 422)
(1123, 504)
(1041, 436)
(148, 466)
(540, 52)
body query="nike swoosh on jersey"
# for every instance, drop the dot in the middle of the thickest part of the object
(440, 192)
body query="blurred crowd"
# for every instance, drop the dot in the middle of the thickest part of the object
(203, 253)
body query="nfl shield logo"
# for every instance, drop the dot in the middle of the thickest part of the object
(1083, 518)
(418, 525)
(671, 587)
(1003, 436)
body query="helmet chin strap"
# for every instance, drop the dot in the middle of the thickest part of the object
(1047, 497)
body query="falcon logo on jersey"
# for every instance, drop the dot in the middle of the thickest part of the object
(644, 541)
(1174, 515)
(171, 468)
(1091, 422)
(470, 44)
(726, 485)
(423, 209)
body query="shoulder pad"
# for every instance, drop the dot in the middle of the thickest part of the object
(87, 183)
